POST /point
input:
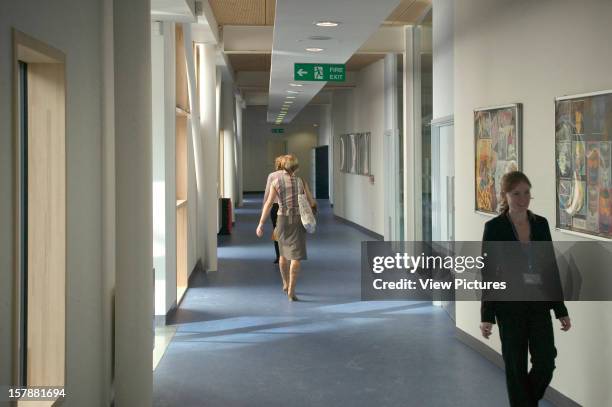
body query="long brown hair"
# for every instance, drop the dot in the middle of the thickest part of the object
(508, 182)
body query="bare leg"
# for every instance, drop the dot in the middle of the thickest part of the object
(294, 270)
(284, 271)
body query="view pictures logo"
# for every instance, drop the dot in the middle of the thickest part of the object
(404, 261)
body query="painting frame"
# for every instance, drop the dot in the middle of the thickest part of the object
(583, 186)
(498, 148)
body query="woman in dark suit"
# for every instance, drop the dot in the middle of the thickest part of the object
(523, 326)
(278, 167)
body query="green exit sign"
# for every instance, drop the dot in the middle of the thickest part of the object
(278, 131)
(319, 72)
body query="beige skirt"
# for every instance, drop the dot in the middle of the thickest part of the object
(291, 237)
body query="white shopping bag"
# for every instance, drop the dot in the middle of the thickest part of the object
(308, 218)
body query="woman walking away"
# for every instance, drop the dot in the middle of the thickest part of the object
(289, 229)
(278, 168)
(524, 326)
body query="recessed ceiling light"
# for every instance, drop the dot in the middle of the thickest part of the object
(314, 49)
(293, 91)
(327, 23)
(287, 102)
(295, 84)
(290, 97)
(315, 125)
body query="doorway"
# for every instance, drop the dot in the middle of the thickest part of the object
(321, 172)
(443, 188)
(40, 231)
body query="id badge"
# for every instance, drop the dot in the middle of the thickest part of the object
(532, 278)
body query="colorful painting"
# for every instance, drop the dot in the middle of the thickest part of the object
(583, 163)
(497, 139)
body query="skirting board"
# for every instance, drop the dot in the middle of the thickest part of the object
(552, 395)
(360, 228)
(163, 320)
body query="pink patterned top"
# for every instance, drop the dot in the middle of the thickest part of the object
(286, 187)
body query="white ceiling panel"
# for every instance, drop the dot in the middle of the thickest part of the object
(173, 10)
(293, 28)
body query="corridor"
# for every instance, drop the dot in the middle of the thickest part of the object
(239, 342)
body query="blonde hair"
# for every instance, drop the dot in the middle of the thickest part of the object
(278, 162)
(290, 163)
(508, 182)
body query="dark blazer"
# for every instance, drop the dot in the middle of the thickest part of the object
(500, 229)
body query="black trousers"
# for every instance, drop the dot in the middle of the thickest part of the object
(527, 327)
(274, 217)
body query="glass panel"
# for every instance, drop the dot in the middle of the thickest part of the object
(423, 57)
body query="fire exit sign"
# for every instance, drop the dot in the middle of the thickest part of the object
(278, 131)
(319, 72)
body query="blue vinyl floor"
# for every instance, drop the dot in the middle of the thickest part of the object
(240, 342)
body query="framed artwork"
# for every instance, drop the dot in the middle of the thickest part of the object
(354, 152)
(583, 124)
(343, 160)
(497, 141)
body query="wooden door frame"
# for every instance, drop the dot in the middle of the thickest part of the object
(29, 50)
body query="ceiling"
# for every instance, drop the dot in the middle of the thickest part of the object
(283, 34)
(262, 12)
(173, 10)
(243, 12)
(262, 62)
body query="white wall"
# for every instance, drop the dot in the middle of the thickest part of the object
(531, 52)
(209, 132)
(164, 166)
(325, 129)
(47, 21)
(300, 135)
(228, 132)
(134, 254)
(239, 145)
(360, 110)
